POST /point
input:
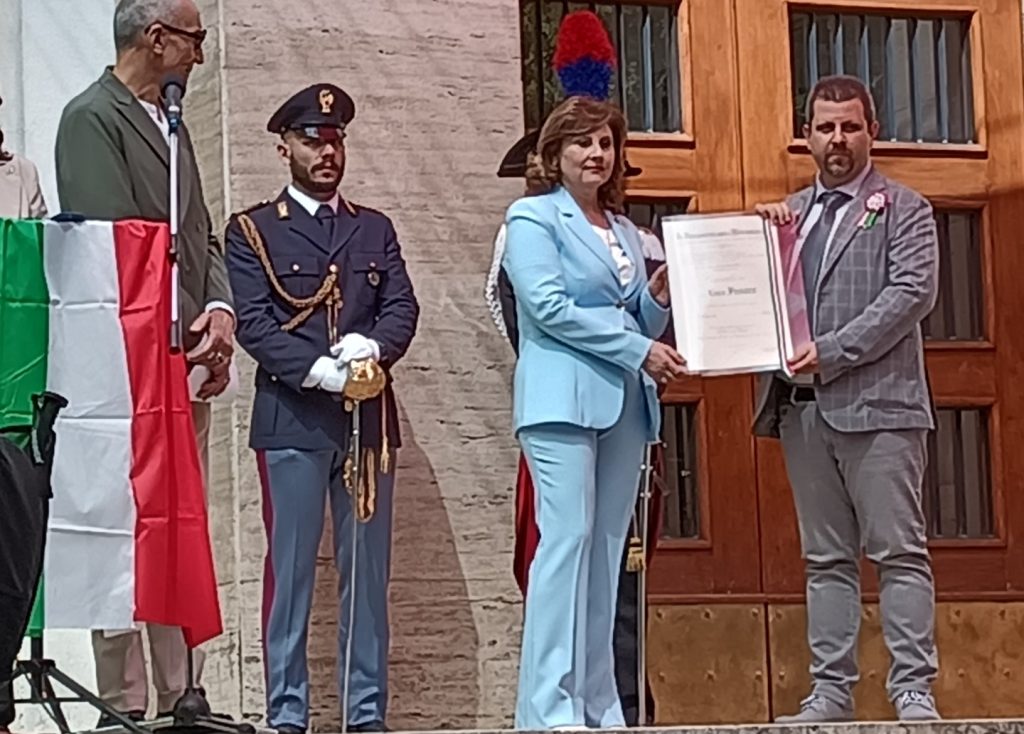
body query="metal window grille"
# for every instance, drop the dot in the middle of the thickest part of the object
(681, 508)
(647, 82)
(650, 213)
(958, 481)
(918, 69)
(959, 310)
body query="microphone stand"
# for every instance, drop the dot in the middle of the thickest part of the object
(192, 710)
(173, 123)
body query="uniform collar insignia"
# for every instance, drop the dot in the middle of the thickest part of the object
(282, 210)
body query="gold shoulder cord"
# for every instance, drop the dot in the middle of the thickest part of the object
(329, 296)
(329, 293)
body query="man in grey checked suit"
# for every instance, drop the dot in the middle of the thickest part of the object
(854, 421)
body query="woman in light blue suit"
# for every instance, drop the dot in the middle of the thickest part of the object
(585, 404)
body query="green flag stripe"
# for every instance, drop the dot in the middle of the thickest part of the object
(24, 333)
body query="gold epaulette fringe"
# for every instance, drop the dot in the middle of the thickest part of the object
(365, 499)
(385, 451)
(635, 560)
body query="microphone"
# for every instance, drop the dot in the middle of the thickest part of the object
(172, 89)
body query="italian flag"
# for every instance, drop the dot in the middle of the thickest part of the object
(85, 313)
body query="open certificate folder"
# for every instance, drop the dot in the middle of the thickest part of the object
(737, 293)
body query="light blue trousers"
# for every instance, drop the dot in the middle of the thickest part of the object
(586, 485)
(296, 486)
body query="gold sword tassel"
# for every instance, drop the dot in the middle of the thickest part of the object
(366, 381)
(385, 451)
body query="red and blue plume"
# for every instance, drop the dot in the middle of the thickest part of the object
(584, 56)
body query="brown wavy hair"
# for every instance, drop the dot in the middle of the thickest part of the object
(577, 116)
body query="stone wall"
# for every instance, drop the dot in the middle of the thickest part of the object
(436, 86)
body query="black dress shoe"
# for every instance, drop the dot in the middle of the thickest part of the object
(368, 726)
(108, 720)
(289, 729)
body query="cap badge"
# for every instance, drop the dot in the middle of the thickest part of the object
(326, 101)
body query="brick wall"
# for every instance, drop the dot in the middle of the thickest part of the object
(436, 86)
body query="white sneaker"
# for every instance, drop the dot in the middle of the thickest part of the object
(817, 709)
(916, 706)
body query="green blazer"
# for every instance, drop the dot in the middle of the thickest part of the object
(113, 163)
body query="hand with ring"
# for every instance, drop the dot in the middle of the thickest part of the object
(217, 327)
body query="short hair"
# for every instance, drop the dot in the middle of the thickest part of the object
(572, 117)
(132, 17)
(840, 88)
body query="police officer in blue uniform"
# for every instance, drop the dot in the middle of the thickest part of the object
(321, 286)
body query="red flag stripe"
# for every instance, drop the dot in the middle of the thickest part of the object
(175, 580)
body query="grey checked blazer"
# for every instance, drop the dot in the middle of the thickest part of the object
(874, 289)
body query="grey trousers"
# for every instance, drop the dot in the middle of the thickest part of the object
(859, 492)
(121, 679)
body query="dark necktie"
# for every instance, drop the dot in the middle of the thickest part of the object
(325, 215)
(813, 251)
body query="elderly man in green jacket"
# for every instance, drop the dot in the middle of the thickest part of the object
(112, 158)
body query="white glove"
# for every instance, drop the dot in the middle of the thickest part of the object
(334, 381)
(327, 375)
(353, 347)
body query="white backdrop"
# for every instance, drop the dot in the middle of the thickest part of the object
(50, 50)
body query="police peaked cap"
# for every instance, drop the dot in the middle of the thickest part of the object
(318, 105)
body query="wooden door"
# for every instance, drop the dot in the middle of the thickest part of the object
(708, 548)
(713, 90)
(676, 81)
(946, 78)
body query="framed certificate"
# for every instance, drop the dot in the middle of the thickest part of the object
(737, 293)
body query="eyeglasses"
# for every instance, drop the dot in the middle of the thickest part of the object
(197, 37)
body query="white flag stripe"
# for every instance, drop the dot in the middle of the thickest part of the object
(90, 563)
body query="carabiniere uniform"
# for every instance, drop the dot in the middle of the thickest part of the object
(302, 279)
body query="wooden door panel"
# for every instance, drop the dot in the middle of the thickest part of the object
(705, 164)
(985, 174)
(725, 559)
(965, 178)
(739, 148)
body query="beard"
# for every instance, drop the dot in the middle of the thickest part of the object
(839, 162)
(305, 178)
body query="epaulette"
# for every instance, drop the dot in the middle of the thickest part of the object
(254, 207)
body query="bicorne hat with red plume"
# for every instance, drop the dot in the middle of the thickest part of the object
(585, 63)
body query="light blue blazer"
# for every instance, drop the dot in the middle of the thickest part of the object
(581, 333)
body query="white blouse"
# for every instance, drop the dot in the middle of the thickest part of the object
(622, 261)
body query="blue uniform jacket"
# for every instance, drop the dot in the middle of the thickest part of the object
(378, 302)
(581, 333)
